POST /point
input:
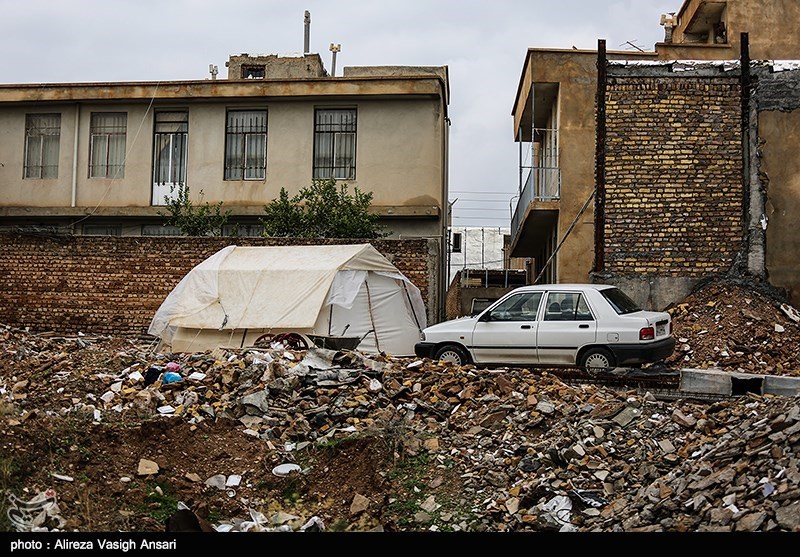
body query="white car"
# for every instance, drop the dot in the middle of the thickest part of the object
(594, 326)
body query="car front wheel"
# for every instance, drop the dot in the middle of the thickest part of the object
(597, 359)
(452, 353)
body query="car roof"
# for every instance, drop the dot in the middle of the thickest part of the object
(571, 286)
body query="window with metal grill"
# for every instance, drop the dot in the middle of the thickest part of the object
(246, 145)
(42, 138)
(108, 132)
(335, 144)
(171, 138)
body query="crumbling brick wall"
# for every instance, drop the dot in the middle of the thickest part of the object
(114, 285)
(673, 155)
(453, 298)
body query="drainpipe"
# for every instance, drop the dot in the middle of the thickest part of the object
(75, 155)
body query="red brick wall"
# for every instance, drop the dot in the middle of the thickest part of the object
(113, 285)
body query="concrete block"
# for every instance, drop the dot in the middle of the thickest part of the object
(705, 381)
(781, 385)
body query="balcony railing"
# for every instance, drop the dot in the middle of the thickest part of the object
(541, 184)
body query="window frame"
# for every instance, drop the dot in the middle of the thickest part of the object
(27, 167)
(120, 172)
(322, 170)
(245, 137)
(456, 245)
(182, 169)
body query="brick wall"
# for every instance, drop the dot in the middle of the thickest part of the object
(114, 285)
(673, 175)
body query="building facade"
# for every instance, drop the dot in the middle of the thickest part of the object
(102, 158)
(559, 124)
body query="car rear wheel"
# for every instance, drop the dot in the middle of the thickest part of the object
(452, 353)
(597, 359)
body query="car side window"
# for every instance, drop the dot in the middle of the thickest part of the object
(567, 306)
(520, 307)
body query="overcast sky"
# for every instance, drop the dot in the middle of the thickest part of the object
(482, 42)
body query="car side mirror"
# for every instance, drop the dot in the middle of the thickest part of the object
(486, 316)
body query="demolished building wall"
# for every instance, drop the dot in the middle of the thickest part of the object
(691, 192)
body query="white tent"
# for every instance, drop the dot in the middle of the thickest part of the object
(241, 293)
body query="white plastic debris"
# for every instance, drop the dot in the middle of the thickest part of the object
(559, 508)
(33, 515)
(414, 364)
(791, 312)
(233, 480)
(196, 376)
(62, 477)
(135, 376)
(285, 469)
(107, 397)
(166, 409)
(779, 328)
(217, 480)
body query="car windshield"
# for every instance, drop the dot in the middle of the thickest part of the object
(620, 301)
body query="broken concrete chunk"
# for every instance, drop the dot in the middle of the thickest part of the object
(682, 419)
(359, 504)
(147, 467)
(628, 414)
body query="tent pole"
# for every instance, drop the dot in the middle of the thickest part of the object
(371, 319)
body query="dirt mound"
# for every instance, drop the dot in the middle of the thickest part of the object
(735, 328)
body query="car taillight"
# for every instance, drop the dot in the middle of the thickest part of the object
(647, 333)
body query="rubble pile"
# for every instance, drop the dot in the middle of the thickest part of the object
(433, 446)
(733, 328)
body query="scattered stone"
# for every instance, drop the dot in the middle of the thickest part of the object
(147, 467)
(359, 504)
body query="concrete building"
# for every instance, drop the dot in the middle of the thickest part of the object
(561, 146)
(476, 247)
(100, 158)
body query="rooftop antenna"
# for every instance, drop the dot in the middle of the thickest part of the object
(307, 34)
(334, 48)
(213, 70)
(630, 43)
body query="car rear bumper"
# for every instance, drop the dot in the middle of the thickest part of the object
(643, 353)
(424, 349)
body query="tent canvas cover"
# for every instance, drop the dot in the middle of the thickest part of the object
(240, 293)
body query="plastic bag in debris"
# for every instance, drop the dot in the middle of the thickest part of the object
(314, 524)
(589, 499)
(559, 510)
(171, 377)
(173, 367)
(40, 514)
(152, 375)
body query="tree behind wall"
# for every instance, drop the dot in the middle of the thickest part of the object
(193, 220)
(322, 210)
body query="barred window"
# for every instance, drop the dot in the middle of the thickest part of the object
(42, 138)
(335, 144)
(246, 145)
(160, 230)
(102, 230)
(107, 144)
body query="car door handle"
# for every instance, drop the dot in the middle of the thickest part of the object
(525, 326)
(583, 326)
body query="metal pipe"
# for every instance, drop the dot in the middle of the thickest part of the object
(307, 32)
(75, 155)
